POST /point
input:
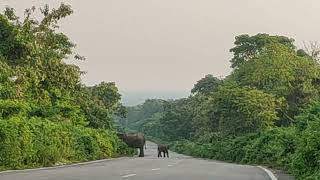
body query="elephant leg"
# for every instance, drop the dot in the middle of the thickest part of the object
(167, 154)
(159, 154)
(164, 154)
(141, 152)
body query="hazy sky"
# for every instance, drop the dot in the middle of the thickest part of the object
(167, 45)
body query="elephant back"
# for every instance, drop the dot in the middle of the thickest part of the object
(136, 140)
(162, 147)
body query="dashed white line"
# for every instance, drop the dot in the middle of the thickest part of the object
(170, 165)
(129, 175)
(156, 169)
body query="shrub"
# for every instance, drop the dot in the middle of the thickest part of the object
(285, 148)
(39, 142)
(306, 159)
(272, 147)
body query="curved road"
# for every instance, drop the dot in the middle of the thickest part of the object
(177, 167)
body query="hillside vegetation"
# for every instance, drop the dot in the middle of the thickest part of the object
(267, 111)
(47, 117)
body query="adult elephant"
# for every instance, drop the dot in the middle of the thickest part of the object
(136, 140)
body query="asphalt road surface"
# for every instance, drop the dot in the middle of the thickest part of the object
(177, 167)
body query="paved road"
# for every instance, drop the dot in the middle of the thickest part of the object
(177, 167)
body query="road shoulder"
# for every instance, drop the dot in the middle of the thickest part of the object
(277, 174)
(270, 173)
(63, 166)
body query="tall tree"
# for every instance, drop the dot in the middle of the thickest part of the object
(100, 104)
(176, 122)
(206, 85)
(139, 115)
(247, 47)
(280, 71)
(235, 110)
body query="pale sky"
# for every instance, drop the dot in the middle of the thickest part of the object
(167, 45)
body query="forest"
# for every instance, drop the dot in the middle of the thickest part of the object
(266, 112)
(47, 116)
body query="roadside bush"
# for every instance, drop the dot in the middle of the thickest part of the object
(39, 142)
(272, 147)
(15, 146)
(306, 159)
(281, 148)
(233, 149)
(122, 149)
(12, 108)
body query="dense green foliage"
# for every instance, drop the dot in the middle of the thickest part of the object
(241, 110)
(39, 142)
(247, 47)
(279, 71)
(137, 116)
(206, 85)
(100, 103)
(267, 111)
(47, 116)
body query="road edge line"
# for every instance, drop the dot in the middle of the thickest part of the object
(270, 174)
(61, 166)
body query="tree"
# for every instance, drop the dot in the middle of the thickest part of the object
(176, 122)
(34, 51)
(8, 89)
(141, 114)
(108, 93)
(11, 48)
(44, 109)
(206, 85)
(279, 71)
(100, 104)
(239, 110)
(247, 47)
(311, 50)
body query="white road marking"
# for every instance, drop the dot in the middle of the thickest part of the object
(270, 174)
(157, 169)
(62, 166)
(169, 165)
(129, 175)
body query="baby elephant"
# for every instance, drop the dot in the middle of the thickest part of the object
(163, 148)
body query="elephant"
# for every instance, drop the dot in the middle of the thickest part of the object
(163, 148)
(136, 140)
